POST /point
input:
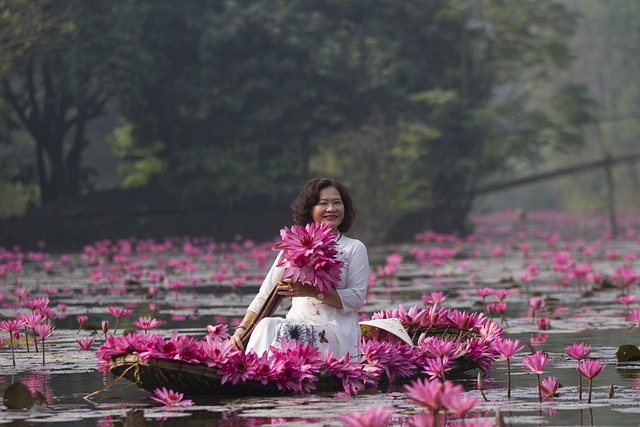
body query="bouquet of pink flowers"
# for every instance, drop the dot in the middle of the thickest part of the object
(309, 255)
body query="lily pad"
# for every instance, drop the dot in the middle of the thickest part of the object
(18, 396)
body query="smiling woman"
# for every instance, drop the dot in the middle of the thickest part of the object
(326, 319)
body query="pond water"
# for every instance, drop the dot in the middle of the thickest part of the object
(207, 282)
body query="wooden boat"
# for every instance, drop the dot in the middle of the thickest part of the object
(201, 380)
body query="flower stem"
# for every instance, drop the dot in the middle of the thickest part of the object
(590, 389)
(13, 357)
(539, 389)
(579, 385)
(26, 334)
(508, 379)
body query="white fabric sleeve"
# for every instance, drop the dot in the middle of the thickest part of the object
(269, 282)
(357, 279)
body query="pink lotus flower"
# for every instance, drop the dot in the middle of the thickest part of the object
(347, 369)
(146, 323)
(578, 352)
(239, 368)
(626, 300)
(634, 317)
(590, 368)
(460, 404)
(536, 363)
(371, 417)
(11, 326)
(501, 294)
(549, 387)
(37, 303)
(434, 298)
(84, 343)
(170, 397)
(30, 321)
(508, 348)
(44, 330)
(105, 327)
(119, 313)
(536, 303)
(220, 331)
(309, 255)
(82, 319)
(484, 292)
(433, 395)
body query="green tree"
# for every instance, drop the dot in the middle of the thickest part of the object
(61, 82)
(241, 96)
(479, 106)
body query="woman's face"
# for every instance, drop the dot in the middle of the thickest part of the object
(330, 209)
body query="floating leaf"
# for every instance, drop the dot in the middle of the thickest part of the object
(18, 396)
(628, 353)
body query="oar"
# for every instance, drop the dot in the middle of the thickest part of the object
(268, 308)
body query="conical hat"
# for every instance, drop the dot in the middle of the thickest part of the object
(391, 325)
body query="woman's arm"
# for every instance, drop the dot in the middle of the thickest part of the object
(357, 280)
(350, 298)
(248, 321)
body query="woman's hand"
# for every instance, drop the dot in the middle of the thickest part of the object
(236, 340)
(291, 290)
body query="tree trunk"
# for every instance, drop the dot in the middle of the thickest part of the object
(74, 158)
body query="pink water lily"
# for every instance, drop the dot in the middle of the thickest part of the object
(535, 304)
(536, 363)
(85, 343)
(435, 395)
(549, 387)
(11, 326)
(434, 298)
(82, 319)
(371, 417)
(218, 331)
(348, 370)
(30, 321)
(44, 330)
(590, 368)
(146, 323)
(634, 317)
(169, 397)
(578, 352)
(508, 348)
(309, 255)
(119, 313)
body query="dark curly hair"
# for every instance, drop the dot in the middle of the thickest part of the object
(309, 196)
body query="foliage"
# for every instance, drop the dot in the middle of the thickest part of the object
(607, 63)
(58, 83)
(480, 113)
(243, 99)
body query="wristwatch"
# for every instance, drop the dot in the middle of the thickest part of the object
(320, 296)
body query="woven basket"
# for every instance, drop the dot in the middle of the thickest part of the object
(198, 379)
(201, 380)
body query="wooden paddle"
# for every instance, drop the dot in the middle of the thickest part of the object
(269, 307)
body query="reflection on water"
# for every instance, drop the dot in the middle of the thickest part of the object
(194, 293)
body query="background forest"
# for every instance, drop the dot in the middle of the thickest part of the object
(153, 116)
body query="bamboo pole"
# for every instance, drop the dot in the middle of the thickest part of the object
(269, 307)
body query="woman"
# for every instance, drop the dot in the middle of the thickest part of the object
(329, 319)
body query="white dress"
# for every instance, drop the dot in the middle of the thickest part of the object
(311, 320)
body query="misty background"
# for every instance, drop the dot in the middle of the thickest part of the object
(155, 118)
